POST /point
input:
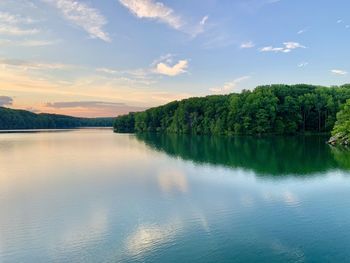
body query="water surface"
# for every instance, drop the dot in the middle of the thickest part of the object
(96, 196)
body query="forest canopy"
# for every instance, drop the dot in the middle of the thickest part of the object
(11, 119)
(341, 130)
(270, 109)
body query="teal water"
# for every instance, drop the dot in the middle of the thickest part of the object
(96, 196)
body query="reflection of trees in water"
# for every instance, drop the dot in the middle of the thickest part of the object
(342, 156)
(299, 155)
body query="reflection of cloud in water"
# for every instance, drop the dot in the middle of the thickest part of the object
(87, 232)
(291, 199)
(295, 254)
(147, 237)
(170, 180)
(286, 196)
(203, 221)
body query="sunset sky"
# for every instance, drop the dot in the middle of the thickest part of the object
(108, 57)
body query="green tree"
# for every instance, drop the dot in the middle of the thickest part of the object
(341, 129)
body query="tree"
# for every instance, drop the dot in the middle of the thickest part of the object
(341, 130)
(272, 109)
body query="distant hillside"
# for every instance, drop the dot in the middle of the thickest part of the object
(272, 109)
(11, 119)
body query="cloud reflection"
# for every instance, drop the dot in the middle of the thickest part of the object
(172, 180)
(147, 237)
(94, 228)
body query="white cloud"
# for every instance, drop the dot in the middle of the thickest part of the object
(168, 58)
(272, 49)
(13, 25)
(107, 70)
(153, 10)
(288, 47)
(26, 43)
(84, 16)
(26, 65)
(36, 43)
(14, 19)
(204, 20)
(158, 11)
(339, 72)
(164, 65)
(302, 31)
(197, 29)
(339, 21)
(17, 31)
(303, 64)
(165, 69)
(229, 86)
(292, 45)
(248, 44)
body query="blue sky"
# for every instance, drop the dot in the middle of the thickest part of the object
(102, 58)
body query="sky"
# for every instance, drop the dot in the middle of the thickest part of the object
(96, 58)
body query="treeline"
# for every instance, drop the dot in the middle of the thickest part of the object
(272, 109)
(11, 119)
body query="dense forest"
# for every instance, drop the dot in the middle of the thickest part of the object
(11, 119)
(272, 109)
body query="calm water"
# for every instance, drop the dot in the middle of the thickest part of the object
(96, 196)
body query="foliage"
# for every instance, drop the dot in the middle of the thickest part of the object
(20, 119)
(272, 109)
(341, 130)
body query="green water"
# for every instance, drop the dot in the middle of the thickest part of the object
(96, 196)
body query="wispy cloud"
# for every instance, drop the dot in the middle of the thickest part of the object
(339, 72)
(302, 31)
(16, 25)
(288, 47)
(158, 11)
(5, 101)
(107, 70)
(204, 20)
(303, 64)
(229, 86)
(27, 43)
(153, 10)
(107, 108)
(9, 18)
(17, 31)
(197, 29)
(83, 16)
(218, 40)
(248, 44)
(25, 65)
(133, 76)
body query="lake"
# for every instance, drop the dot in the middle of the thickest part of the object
(97, 196)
